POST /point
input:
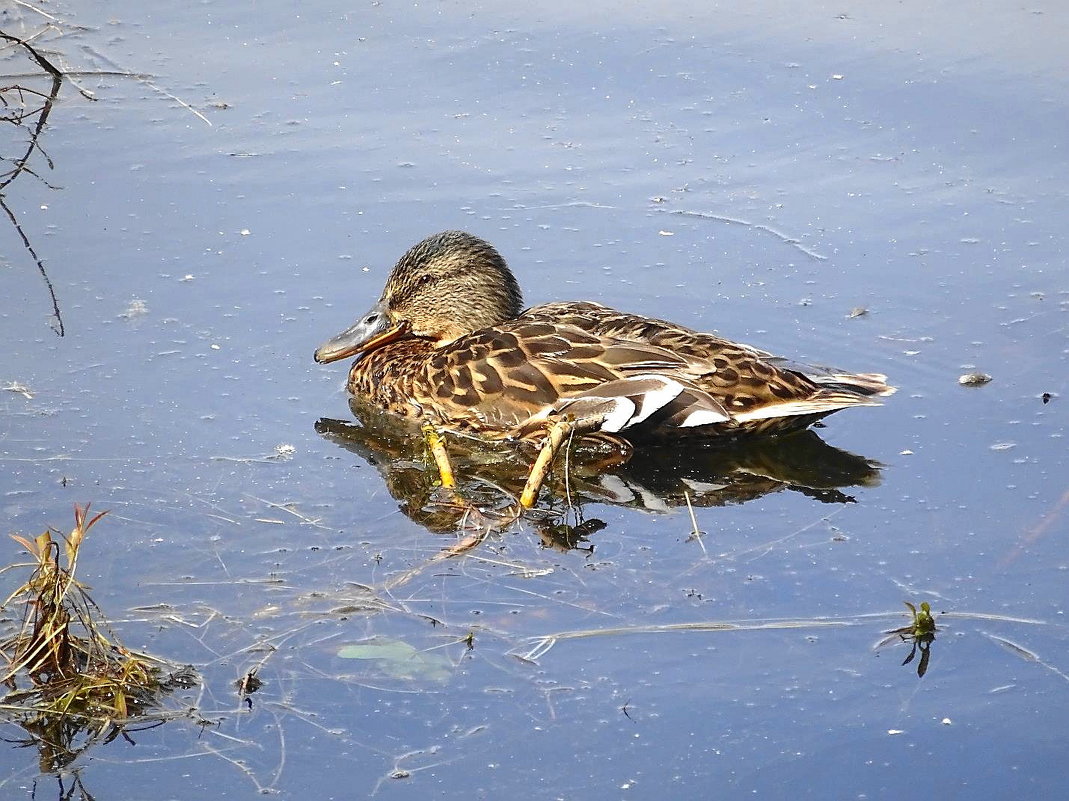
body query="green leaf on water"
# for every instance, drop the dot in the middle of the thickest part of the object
(400, 660)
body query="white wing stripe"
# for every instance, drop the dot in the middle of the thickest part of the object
(703, 417)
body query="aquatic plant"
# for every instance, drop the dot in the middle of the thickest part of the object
(70, 681)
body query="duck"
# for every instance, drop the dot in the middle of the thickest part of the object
(449, 345)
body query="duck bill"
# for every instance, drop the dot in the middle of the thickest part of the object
(373, 330)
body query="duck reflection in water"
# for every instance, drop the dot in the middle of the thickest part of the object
(448, 345)
(492, 474)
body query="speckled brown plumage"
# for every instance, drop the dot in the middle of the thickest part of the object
(447, 341)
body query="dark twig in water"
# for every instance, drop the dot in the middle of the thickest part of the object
(21, 117)
(58, 326)
(42, 117)
(21, 165)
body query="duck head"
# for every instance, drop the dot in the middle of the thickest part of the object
(448, 285)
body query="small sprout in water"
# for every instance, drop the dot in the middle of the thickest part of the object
(923, 622)
(974, 379)
(469, 640)
(920, 633)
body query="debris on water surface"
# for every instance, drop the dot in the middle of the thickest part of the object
(249, 683)
(137, 308)
(857, 311)
(283, 451)
(974, 379)
(27, 393)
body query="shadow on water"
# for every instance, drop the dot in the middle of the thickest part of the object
(653, 478)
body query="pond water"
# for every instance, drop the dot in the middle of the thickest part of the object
(239, 187)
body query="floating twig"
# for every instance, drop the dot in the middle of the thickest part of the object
(790, 240)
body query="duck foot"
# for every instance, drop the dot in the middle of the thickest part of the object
(471, 516)
(557, 432)
(436, 445)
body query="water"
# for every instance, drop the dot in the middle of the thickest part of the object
(761, 173)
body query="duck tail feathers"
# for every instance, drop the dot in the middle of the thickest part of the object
(865, 384)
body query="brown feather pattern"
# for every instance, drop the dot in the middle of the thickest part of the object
(469, 360)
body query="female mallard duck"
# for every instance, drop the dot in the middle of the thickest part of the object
(448, 343)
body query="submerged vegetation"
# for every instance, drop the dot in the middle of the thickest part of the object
(70, 682)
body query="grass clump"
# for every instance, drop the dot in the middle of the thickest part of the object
(69, 681)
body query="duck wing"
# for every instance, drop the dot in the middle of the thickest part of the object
(516, 375)
(701, 346)
(616, 373)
